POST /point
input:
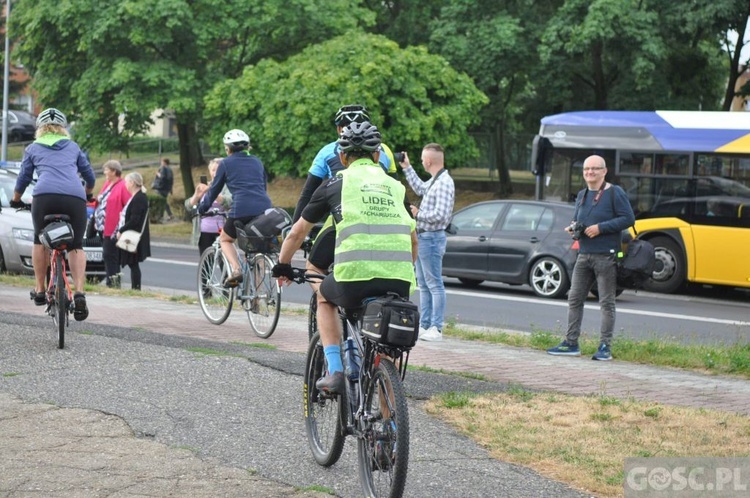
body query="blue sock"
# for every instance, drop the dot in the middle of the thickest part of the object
(333, 356)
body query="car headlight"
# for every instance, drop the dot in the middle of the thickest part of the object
(23, 234)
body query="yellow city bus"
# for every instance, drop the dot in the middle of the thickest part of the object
(687, 175)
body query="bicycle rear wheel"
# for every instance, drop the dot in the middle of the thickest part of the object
(61, 299)
(215, 299)
(264, 307)
(323, 413)
(383, 449)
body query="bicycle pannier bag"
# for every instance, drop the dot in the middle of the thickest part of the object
(391, 320)
(637, 265)
(57, 235)
(270, 223)
(261, 234)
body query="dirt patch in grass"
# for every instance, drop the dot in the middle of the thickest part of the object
(584, 441)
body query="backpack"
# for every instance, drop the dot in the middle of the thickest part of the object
(637, 264)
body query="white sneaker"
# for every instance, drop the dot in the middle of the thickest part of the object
(422, 332)
(432, 335)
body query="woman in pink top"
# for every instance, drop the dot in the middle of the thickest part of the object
(110, 202)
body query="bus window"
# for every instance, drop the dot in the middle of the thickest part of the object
(636, 162)
(672, 164)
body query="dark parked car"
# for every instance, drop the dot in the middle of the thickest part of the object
(21, 126)
(17, 234)
(514, 242)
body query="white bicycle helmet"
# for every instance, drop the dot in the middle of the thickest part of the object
(236, 137)
(51, 116)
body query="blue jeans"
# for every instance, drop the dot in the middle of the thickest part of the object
(601, 268)
(430, 279)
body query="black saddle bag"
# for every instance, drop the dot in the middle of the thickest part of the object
(57, 235)
(391, 320)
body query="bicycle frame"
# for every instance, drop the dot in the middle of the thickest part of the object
(59, 301)
(370, 355)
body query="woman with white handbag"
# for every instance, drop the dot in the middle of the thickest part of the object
(133, 238)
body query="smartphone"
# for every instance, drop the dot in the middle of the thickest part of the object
(204, 179)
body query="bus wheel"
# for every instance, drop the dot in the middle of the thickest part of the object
(670, 271)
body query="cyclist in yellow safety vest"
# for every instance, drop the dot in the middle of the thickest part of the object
(376, 241)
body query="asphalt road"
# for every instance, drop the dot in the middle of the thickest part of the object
(696, 318)
(240, 408)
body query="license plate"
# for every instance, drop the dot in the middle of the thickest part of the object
(93, 256)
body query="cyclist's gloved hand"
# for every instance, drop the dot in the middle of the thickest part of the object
(89, 196)
(283, 270)
(202, 209)
(17, 204)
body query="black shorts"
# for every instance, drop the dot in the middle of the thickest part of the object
(351, 294)
(321, 253)
(73, 207)
(229, 227)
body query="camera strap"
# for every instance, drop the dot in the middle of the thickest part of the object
(598, 196)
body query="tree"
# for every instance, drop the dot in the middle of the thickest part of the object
(609, 54)
(111, 64)
(287, 107)
(407, 22)
(489, 42)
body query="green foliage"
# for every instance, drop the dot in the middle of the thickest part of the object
(614, 54)
(109, 65)
(287, 107)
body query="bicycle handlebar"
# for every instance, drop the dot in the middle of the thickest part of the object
(210, 212)
(301, 276)
(20, 207)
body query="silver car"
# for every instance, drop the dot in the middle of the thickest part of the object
(17, 233)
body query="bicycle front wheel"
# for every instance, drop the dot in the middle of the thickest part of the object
(312, 316)
(215, 299)
(265, 304)
(383, 448)
(61, 298)
(323, 412)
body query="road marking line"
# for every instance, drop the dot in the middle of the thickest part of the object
(630, 311)
(172, 262)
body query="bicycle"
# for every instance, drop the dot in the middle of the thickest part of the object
(55, 236)
(373, 408)
(259, 293)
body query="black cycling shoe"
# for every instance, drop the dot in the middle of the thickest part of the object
(39, 298)
(80, 310)
(332, 384)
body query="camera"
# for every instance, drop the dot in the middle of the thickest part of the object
(576, 229)
(399, 157)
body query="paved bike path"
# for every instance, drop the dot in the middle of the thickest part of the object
(237, 414)
(127, 411)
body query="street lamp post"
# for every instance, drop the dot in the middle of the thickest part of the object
(6, 71)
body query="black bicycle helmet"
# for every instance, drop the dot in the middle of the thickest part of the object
(360, 136)
(51, 116)
(349, 114)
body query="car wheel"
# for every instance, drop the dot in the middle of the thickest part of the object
(669, 273)
(547, 278)
(470, 282)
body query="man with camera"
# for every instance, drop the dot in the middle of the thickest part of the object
(433, 216)
(602, 212)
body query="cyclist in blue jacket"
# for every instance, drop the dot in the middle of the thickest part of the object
(59, 165)
(247, 180)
